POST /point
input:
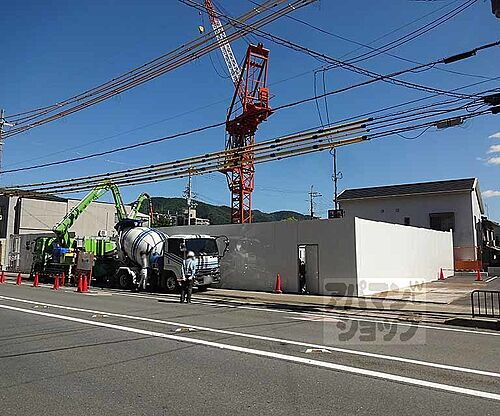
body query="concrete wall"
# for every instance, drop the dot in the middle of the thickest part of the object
(390, 256)
(418, 208)
(257, 252)
(356, 256)
(476, 220)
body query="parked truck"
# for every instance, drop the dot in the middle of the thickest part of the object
(153, 259)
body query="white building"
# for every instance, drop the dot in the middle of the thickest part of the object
(442, 205)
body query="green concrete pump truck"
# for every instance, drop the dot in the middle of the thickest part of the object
(55, 255)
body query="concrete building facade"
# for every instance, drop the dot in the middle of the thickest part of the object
(442, 205)
(38, 215)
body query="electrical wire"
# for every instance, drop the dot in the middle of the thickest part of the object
(362, 45)
(248, 15)
(391, 78)
(196, 48)
(266, 151)
(414, 137)
(157, 140)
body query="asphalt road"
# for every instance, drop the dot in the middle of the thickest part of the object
(119, 353)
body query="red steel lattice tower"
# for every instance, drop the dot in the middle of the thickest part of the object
(254, 108)
(249, 107)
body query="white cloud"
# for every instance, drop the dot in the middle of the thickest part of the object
(494, 161)
(494, 149)
(491, 194)
(495, 136)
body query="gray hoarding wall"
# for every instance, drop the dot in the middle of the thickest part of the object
(21, 251)
(258, 252)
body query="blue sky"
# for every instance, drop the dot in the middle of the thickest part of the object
(54, 49)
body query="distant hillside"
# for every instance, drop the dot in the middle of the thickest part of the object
(218, 214)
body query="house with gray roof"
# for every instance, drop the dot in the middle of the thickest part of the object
(440, 205)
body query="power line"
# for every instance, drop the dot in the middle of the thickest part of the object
(275, 149)
(328, 59)
(157, 140)
(398, 73)
(180, 56)
(379, 49)
(360, 58)
(118, 149)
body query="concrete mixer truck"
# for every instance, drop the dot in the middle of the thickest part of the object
(151, 259)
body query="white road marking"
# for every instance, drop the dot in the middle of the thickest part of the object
(491, 279)
(316, 319)
(329, 314)
(265, 338)
(344, 317)
(269, 354)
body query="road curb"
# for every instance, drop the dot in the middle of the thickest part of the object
(475, 323)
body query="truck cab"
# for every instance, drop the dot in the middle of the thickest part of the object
(207, 251)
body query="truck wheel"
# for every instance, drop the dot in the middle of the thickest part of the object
(170, 282)
(123, 280)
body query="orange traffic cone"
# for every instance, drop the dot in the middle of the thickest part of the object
(80, 284)
(55, 286)
(2, 277)
(18, 280)
(478, 276)
(35, 280)
(441, 275)
(63, 279)
(277, 288)
(85, 287)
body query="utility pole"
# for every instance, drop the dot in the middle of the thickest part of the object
(495, 7)
(312, 195)
(336, 177)
(188, 193)
(3, 123)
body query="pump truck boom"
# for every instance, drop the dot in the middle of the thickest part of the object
(62, 228)
(56, 254)
(137, 205)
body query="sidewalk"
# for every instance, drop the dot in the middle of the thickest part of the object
(445, 303)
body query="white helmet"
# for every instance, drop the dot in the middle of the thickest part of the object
(190, 254)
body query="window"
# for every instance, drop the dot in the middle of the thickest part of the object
(382, 211)
(407, 220)
(442, 221)
(202, 246)
(174, 246)
(397, 209)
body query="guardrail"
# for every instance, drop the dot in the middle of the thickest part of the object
(485, 303)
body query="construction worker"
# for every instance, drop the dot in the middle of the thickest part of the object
(188, 273)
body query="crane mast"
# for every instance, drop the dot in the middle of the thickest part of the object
(251, 91)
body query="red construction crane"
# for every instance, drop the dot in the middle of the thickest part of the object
(249, 107)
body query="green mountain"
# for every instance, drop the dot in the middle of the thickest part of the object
(217, 214)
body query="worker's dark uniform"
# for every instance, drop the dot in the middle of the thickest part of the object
(186, 284)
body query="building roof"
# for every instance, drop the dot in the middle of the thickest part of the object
(420, 188)
(11, 192)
